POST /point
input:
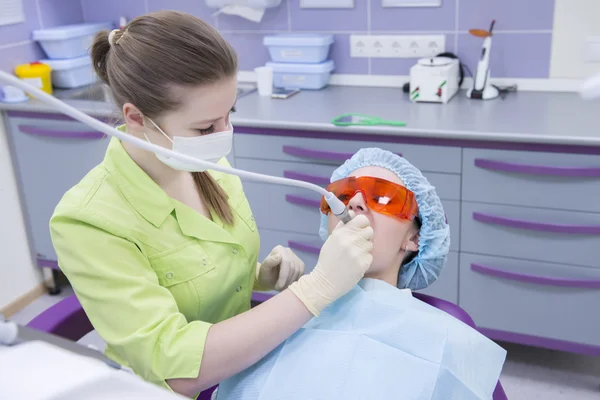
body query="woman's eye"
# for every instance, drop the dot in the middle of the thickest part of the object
(233, 109)
(206, 131)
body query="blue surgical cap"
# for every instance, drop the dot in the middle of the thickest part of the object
(434, 237)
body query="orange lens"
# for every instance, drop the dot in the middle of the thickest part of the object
(381, 196)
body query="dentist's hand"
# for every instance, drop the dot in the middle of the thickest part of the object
(344, 260)
(280, 269)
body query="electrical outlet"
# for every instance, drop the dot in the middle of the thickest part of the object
(358, 45)
(376, 47)
(431, 46)
(384, 46)
(396, 46)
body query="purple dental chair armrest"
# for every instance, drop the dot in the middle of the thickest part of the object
(462, 315)
(448, 307)
(65, 319)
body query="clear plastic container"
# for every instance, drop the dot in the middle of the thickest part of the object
(69, 41)
(72, 73)
(301, 76)
(298, 48)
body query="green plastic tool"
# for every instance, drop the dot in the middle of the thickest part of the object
(351, 119)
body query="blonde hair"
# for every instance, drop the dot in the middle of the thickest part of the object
(155, 52)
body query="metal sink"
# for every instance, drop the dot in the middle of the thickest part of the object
(99, 92)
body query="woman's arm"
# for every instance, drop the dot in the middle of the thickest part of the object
(140, 319)
(237, 343)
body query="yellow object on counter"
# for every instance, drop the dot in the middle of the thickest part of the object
(37, 74)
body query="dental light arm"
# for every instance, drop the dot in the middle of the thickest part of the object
(337, 207)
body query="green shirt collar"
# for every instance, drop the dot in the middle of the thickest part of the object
(138, 188)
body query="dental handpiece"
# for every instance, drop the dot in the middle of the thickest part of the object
(337, 207)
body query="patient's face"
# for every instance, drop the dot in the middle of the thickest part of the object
(390, 235)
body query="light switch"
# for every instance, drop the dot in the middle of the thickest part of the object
(592, 49)
(326, 3)
(411, 3)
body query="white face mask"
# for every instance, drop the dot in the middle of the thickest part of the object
(211, 147)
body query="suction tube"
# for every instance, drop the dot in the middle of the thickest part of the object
(337, 207)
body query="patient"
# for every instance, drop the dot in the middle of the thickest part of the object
(378, 342)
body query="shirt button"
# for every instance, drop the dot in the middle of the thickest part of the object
(203, 262)
(252, 218)
(235, 251)
(169, 275)
(238, 289)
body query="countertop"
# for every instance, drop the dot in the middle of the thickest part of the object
(523, 117)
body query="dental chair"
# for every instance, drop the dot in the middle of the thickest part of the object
(68, 320)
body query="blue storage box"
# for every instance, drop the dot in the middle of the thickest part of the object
(69, 41)
(301, 76)
(298, 48)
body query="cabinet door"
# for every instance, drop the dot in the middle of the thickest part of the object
(50, 157)
(446, 286)
(537, 299)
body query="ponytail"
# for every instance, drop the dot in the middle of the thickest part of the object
(214, 196)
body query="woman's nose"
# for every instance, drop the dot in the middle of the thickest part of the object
(222, 125)
(358, 204)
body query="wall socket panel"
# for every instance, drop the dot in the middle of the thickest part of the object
(396, 46)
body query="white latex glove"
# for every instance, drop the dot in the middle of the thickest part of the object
(343, 261)
(280, 269)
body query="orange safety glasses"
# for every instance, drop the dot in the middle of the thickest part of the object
(381, 196)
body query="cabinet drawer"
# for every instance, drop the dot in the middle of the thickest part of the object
(297, 210)
(549, 180)
(447, 186)
(531, 233)
(50, 157)
(446, 287)
(330, 151)
(531, 298)
(307, 247)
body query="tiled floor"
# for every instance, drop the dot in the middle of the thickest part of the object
(529, 373)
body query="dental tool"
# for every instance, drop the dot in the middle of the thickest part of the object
(337, 206)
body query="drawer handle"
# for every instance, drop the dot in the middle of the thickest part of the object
(45, 263)
(537, 226)
(307, 248)
(316, 154)
(302, 201)
(581, 172)
(34, 130)
(317, 180)
(539, 280)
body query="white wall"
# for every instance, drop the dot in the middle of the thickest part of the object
(574, 20)
(17, 272)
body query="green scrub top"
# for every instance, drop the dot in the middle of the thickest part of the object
(151, 273)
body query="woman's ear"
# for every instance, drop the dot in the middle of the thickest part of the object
(133, 117)
(412, 244)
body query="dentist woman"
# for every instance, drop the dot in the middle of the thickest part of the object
(162, 256)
